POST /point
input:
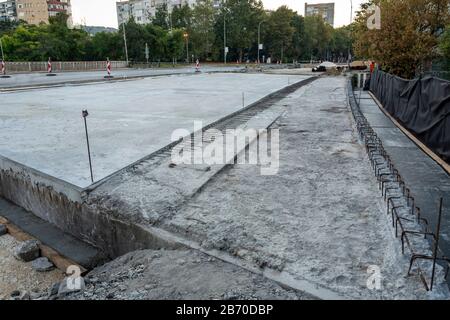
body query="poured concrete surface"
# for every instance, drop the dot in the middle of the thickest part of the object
(44, 129)
(320, 221)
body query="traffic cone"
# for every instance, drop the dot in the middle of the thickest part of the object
(108, 69)
(3, 70)
(197, 66)
(50, 68)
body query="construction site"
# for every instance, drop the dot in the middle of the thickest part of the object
(355, 207)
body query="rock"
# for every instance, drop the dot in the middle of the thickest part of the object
(15, 293)
(3, 230)
(148, 287)
(70, 285)
(36, 295)
(20, 295)
(53, 290)
(27, 250)
(110, 295)
(42, 265)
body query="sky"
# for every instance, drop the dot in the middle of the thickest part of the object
(103, 12)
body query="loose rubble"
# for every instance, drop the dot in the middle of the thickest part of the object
(3, 230)
(42, 265)
(27, 250)
(176, 274)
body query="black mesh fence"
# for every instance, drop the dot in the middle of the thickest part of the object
(421, 105)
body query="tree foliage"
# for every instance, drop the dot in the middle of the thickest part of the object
(286, 36)
(408, 39)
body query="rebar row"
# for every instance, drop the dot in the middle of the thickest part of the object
(398, 197)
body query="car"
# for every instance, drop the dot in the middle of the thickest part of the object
(319, 69)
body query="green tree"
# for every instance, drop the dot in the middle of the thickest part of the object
(106, 45)
(407, 41)
(181, 17)
(161, 18)
(242, 19)
(444, 43)
(202, 33)
(175, 44)
(279, 32)
(317, 37)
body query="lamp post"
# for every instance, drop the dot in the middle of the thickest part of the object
(225, 49)
(225, 38)
(351, 21)
(1, 48)
(259, 38)
(351, 11)
(125, 42)
(186, 36)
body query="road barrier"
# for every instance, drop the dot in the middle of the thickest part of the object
(41, 66)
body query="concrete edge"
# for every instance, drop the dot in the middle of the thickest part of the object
(37, 177)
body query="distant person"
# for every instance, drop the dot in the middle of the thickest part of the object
(372, 67)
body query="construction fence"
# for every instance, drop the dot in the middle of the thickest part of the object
(421, 105)
(41, 66)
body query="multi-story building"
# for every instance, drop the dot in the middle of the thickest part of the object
(325, 10)
(37, 11)
(8, 10)
(143, 11)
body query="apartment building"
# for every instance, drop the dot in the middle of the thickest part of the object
(37, 11)
(8, 10)
(143, 11)
(325, 10)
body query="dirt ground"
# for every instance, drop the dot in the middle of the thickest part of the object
(18, 275)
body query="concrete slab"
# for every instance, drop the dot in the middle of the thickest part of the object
(379, 120)
(318, 224)
(43, 129)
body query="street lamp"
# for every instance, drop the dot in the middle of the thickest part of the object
(351, 11)
(351, 21)
(225, 48)
(186, 36)
(125, 42)
(1, 49)
(259, 38)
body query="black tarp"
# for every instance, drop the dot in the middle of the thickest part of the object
(421, 105)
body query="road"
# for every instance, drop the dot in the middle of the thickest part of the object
(41, 79)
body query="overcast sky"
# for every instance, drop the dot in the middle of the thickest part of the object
(103, 12)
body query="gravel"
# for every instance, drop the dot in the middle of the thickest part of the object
(20, 276)
(177, 274)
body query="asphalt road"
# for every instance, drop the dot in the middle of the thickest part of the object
(41, 79)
